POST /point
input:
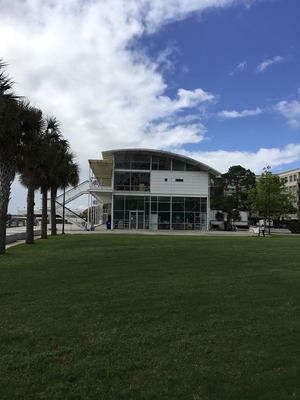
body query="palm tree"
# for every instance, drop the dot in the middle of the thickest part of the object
(31, 161)
(67, 173)
(10, 139)
(61, 148)
(51, 138)
(70, 178)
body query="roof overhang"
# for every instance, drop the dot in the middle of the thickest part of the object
(102, 170)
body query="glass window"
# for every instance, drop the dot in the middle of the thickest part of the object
(122, 160)
(190, 221)
(119, 219)
(295, 178)
(190, 167)
(192, 204)
(161, 163)
(132, 161)
(291, 178)
(163, 199)
(147, 205)
(140, 181)
(178, 220)
(154, 203)
(131, 203)
(118, 214)
(178, 165)
(178, 204)
(119, 203)
(122, 181)
(155, 162)
(163, 220)
(203, 204)
(140, 161)
(134, 181)
(163, 203)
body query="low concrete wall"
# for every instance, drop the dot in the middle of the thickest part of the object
(11, 238)
(21, 235)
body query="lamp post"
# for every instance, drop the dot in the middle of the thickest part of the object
(268, 190)
(63, 220)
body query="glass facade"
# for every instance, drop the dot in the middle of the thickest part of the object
(143, 161)
(162, 213)
(132, 181)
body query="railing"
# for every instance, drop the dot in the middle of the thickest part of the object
(133, 188)
(77, 191)
(71, 216)
(94, 185)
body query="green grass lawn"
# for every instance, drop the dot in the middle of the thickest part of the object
(151, 317)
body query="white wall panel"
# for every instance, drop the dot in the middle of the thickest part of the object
(194, 182)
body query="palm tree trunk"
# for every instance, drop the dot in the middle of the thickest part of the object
(7, 175)
(44, 212)
(53, 211)
(30, 214)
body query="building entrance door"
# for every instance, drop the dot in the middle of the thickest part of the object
(136, 219)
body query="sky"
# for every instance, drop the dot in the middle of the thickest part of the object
(216, 80)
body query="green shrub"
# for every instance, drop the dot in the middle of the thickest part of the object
(294, 226)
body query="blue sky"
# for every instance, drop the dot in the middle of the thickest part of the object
(220, 52)
(217, 80)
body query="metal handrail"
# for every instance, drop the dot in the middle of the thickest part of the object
(133, 188)
(71, 211)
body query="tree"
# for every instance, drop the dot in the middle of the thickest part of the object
(71, 177)
(51, 138)
(31, 161)
(270, 197)
(230, 193)
(10, 140)
(239, 181)
(58, 172)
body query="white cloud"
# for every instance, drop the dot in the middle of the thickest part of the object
(255, 161)
(159, 12)
(239, 68)
(164, 59)
(291, 111)
(78, 61)
(268, 62)
(239, 114)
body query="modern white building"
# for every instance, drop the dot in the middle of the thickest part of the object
(152, 189)
(293, 185)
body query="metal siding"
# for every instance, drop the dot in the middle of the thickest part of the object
(194, 183)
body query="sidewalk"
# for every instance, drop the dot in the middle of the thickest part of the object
(70, 229)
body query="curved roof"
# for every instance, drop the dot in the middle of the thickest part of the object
(107, 155)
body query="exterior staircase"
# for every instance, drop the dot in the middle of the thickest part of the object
(73, 193)
(72, 216)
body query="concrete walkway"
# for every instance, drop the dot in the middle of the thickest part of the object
(15, 236)
(70, 229)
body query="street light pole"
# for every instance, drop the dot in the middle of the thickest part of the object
(63, 221)
(269, 211)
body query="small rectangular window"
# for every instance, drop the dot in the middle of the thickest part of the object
(179, 180)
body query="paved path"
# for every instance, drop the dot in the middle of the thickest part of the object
(101, 230)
